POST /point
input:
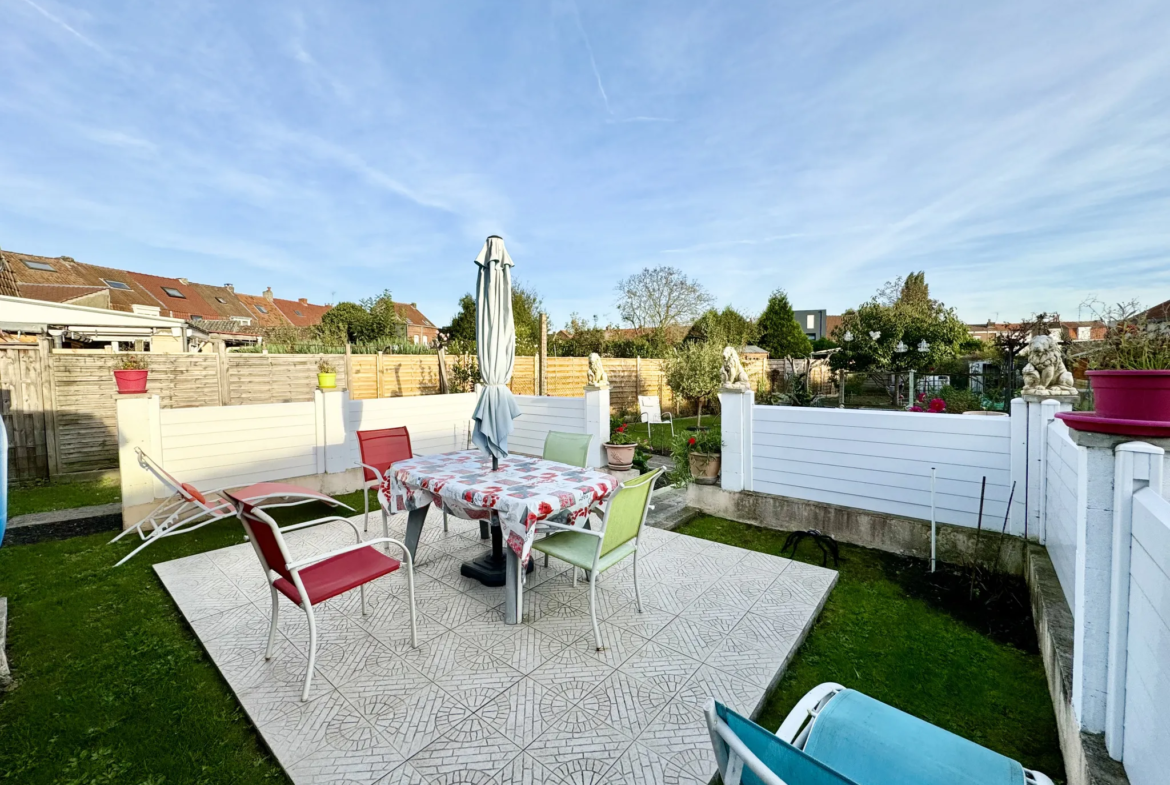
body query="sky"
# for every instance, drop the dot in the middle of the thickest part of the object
(1018, 153)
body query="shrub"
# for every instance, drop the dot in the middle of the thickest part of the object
(704, 440)
(132, 362)
(324, 366)
(959, 401)
(693, 372)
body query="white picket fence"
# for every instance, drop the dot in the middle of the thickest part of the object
(882, 461)
(1064, 500)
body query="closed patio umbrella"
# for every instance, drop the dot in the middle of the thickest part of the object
(495, 336)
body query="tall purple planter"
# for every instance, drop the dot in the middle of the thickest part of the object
(1131, 395)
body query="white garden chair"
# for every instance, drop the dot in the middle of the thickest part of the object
(650, 412)
(188, 508)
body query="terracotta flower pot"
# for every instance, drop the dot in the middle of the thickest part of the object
(130, 382)
(620, 457)
(326, 381)
(1131, 395)
(705, 467)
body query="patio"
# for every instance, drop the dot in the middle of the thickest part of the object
(480, 701)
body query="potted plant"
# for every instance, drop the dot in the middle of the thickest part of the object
(130, 374)
(1130, 371)
(619, 450)
(326, 375)
(698, 456)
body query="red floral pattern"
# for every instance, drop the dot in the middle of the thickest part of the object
(523, 492)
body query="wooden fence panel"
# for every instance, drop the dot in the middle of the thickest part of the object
(524, 376)
(567, 376)
(23, 412)
(277, 378)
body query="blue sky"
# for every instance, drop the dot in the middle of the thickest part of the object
(1019, 153)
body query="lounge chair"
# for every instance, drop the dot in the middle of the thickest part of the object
(311, 581)
(837, 736)
(188, 508)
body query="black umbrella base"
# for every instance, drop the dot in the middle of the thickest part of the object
(491, 568)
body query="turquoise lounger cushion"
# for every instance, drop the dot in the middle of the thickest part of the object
(875, 744)
(786, 761)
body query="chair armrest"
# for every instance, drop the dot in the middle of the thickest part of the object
(644, 417)
(805, 709)
(373, 469)
(299, 565)
(565, 528)
(667, 417)
(306, 524)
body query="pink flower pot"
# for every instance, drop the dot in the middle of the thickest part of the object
(1131, 395)
(130, 382)
(620, 457)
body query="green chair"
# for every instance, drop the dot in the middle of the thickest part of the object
(570, 448)
(597, 550)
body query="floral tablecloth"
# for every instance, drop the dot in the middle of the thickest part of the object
(523, 492)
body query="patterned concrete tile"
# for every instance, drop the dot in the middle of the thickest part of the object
(483, 702)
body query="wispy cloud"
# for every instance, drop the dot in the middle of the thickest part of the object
(592, 59)
(66, 27)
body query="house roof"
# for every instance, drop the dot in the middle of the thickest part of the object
(191, 303)
(302, 313)
(1159, 313)
(225, 327)
(65, 270)
(410, 314)
(56, 292)
(231, 305)
(264, 311)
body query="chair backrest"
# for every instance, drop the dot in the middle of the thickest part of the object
(570, 448)
(768, 759)
(627, 510)
(383, 447)
(651, 408)
(265, 536)
(186, 490)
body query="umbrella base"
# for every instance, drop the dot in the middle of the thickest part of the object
(490, 569)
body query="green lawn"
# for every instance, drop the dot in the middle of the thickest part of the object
(112, 687)
(46, 497)
(876, 636)
(661, 433)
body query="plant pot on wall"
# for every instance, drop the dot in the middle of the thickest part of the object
(705, 467)
(1131, 395)
(327, 381)
(130, 382)
(620, 457)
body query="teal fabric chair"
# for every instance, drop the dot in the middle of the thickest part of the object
(853, 738)
(570, 448)
(601, 549)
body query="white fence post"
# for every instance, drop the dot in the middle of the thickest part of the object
(597, 422)
(1041, 410)
(1019, 464)
(1137, 465)
(138, 427)
(334, 408)
(736, 407)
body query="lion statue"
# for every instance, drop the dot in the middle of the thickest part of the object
(1045, 372)
(596, 376)
(733, 373)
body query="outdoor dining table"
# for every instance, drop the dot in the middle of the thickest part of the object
(523, 492)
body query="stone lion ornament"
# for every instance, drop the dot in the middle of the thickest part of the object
(596, 375)
(1045, 372)
(733, 373)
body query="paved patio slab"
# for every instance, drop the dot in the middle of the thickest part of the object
(483, 702)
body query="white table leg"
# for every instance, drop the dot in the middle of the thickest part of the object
(513, 586)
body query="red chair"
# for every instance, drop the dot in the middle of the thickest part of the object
(311, 581)
(380, 450)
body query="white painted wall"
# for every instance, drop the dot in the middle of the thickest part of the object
(881, 461)
(1065, 490)
(437, 423)
(541, 414)
(1147, 677)
(216, 446)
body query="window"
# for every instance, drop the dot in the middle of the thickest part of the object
(221, 300)
(426, 341)
(196, 317)
(810, 322)
(1084, 333)
(261, 309)
(116, 284)
(39, 266)
(298, 313)
(415, 338)
(174, 293)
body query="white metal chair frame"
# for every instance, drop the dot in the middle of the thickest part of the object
(599, 534)
(181, 512)
(294, 568)
(653, 415)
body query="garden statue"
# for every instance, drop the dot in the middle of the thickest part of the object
(733, 373)
(596, 376)
(1045, 373)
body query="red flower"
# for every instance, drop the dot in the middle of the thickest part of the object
(938, 405)
(691, 442)
(921, 397)
(917, 408)
(621, 428)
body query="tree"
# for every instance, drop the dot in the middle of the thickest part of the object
(727, 328)
(901, 315)
(370, 321)
(526, 308)
(693, 372)
(780, 333)
(659, 297)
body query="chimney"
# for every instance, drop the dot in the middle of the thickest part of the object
(268, 294)
(414, 305)
(230, 288)
(303, 301)
(184, 281)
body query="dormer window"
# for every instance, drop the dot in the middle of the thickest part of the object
(221, 300)
(298, 313)
(44, 266)
(174, 293)
(116, 284)
(261, 309)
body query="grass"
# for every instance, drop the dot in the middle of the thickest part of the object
(661, 433)
(881, 634)
(46, 497)
(112, 687)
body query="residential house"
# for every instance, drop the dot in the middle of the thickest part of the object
(419, 329)
(813, 323)
(301, 313)
(264, 309)
(1067, 331)
(1159, 313)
